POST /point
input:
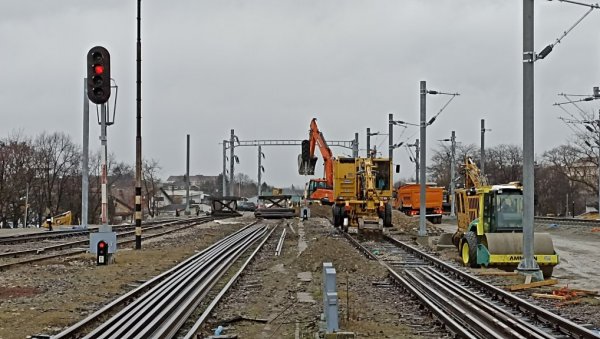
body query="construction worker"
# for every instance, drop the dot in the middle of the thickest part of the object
(49, 222)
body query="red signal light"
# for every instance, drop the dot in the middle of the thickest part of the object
(101, 244)
(98, 69)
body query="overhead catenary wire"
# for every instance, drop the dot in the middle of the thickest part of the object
(452, 96)
(583, 113)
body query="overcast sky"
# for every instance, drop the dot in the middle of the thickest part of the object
(265, 68)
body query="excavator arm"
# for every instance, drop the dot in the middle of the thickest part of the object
(307, 160)
(473, 177)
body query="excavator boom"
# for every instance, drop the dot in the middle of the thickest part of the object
(307, 160)
(318, 189)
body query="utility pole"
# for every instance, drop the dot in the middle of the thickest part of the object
(187, 178)
(597, 144)
(231, 161)
(452, 172)
(482, 165)
(391, 137)
(85, 183)
(104, 174)
(138, 135)
(528, 265)
(224, 174)
(417, 170)
(260, 169)
(423, 159)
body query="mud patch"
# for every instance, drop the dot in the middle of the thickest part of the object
(17, 292)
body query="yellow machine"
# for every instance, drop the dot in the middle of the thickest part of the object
(65, 218)
(490, 225)
(362, 188)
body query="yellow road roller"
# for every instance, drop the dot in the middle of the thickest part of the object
(490, 226)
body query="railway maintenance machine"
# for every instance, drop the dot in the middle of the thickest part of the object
(362, 188)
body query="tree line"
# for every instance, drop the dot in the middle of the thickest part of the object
(566, 177)
(44, 174)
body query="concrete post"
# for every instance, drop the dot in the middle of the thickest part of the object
(417, 161)
(103, 173)
(231, 161)
(423, 161)
(528, 265)
(391, 137)
(330, 298)
(187, 177)
(597, 144)
(259, 169)
(452, 173)
(85, 183)
(224, 179)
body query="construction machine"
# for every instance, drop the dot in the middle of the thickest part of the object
(490, 225)
(65, 218)
(408, 201)
(363, 190)
(321, 189)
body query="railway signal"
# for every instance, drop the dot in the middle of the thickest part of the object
(102, 253)
(98, 75)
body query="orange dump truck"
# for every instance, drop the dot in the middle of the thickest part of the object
(408, 201)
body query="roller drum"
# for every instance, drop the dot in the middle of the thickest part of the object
(512, 243)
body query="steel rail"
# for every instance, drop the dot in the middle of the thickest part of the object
(24, 238)
(126, 317)
(184, 309)
(568, 221)
(466, 296)
(280, 243)
(71, 244)
(192, 331)
(477, 327)
(451, 324)
(153, 322)
(86, 322)
(550, 319)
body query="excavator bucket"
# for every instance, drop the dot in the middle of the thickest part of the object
(306, 163)
(306, 166)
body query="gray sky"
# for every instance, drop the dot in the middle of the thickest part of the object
(265, 68)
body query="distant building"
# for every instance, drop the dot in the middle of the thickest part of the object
(201, 181)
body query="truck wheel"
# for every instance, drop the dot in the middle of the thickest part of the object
(387, 216)
(468, 252)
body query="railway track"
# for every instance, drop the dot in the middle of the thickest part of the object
(163, 306)
(59, 234)
(567, 221)
(467, 306)
(81, 246)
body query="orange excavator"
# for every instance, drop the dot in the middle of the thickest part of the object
(317, 189)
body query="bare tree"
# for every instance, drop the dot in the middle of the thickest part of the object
(150, 183)
(57, 160)
(15, 158)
